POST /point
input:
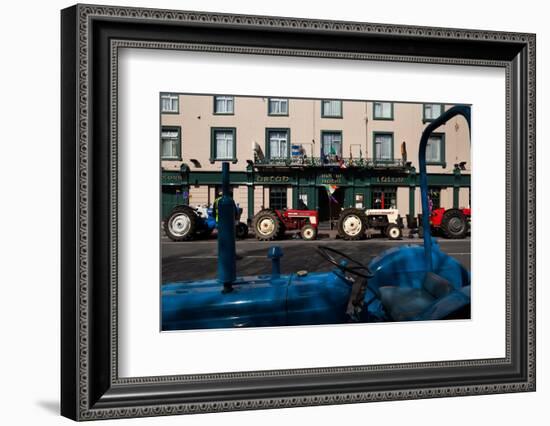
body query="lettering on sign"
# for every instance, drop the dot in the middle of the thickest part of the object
(329, 178)
(390, 179)
(272, 179)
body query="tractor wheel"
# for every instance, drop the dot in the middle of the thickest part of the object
(181, 224)
(266, 225)
(308, 232)
(393, 232)
(241, 231)
(454, 224)
(352, 224)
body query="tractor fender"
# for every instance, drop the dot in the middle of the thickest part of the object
(446, 306)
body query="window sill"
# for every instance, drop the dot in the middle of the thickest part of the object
(217, 160)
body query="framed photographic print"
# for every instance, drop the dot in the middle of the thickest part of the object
(265, 212)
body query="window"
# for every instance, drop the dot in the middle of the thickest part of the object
(383, 147)
(277, 197)
(383, 111)
(435, 149)
(170, 138)
(278, 106)
(384, 197)
(332, 143)
(331, 109)
(277, 143)
(169, 103)
(224, 105)
(223, 144)
(432, 111)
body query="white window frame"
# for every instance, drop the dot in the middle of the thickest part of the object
(279, 110)
(174, 101)
(165, 137)
(227, 100)
(385, 111)
(229, 154)
(440, 138)
(286, 140)
(430, 107)
(377, 151)
(330, 113)
(325, 133)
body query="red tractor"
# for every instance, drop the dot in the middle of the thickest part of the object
(269, 224)
(451, 223)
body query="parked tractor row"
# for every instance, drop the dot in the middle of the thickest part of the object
(187, 223)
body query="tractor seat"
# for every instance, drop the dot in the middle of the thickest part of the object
(406, 303)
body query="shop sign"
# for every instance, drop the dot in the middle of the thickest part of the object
(272, 179)
(328, 178)
(390, 179)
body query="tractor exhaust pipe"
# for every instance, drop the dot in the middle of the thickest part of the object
(227, 268)
(464, 111)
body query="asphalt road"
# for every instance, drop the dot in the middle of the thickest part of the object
(196, 260)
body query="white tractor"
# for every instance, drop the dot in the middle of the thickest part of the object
(353, 223)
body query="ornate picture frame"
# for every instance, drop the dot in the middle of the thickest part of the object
(91, 387)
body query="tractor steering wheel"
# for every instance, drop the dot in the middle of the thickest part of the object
(357, 267)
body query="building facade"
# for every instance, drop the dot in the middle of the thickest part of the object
(323, 154)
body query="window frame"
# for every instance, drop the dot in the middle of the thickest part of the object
(215, 97)
(442, 161)
(426, 119)
(341, 132)
(271, 114)
(375, 117)
(384, 133)
(267, 147)
(179, 157)
(323, 115)
(213, 146)
(169, 94)
(285, 187)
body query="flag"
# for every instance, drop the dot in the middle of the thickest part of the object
(258, 153)
(323, 156)
(342, 164)
(330, 190)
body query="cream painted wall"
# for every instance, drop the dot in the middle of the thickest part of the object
(251, 119)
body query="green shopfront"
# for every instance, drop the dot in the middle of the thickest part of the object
(322, 188)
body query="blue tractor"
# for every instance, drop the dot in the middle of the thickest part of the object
(185, 223)
(408, 283)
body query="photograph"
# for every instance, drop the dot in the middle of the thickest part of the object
(283, 211)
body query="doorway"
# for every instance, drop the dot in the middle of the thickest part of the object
(330, 206)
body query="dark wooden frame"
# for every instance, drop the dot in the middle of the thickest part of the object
(90, 386)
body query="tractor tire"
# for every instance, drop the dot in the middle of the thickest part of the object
(267, 225)
(352, 224)
(308, 233)
(181, 224)
(241, 231)
(454, 224)
(393, 232)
